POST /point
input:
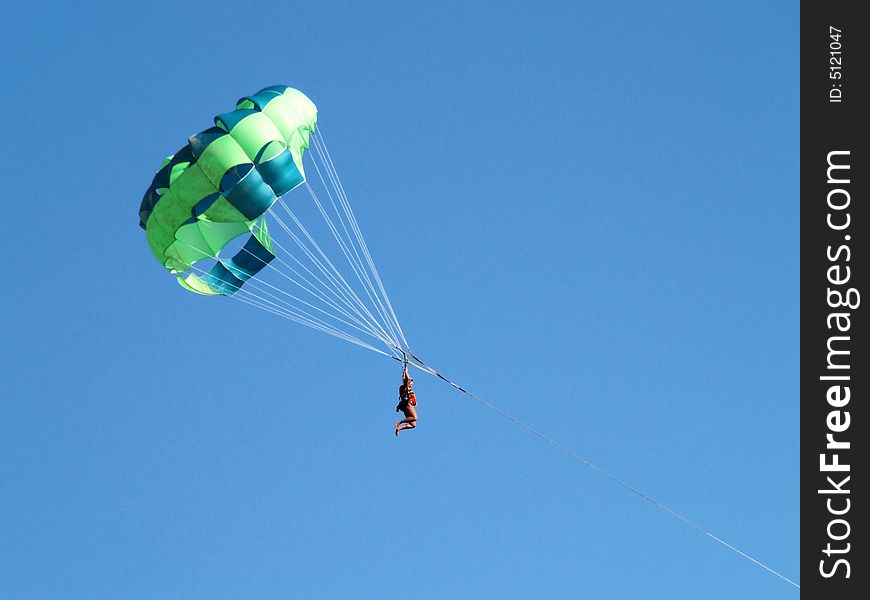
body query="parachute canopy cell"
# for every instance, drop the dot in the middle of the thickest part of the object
(218, 186)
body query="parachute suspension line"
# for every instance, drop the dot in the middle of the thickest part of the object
(299, 314)
(321, 293)
(361, 276)
(289, 311)
(355, 261)
(332, 287)
(417, 362)
(289, 315)
(292, 297)
(360, 240)
(319, 141)
(338, 279)
(248, 297)
(281, 314)
(322, 151)
(378, 305)
(339, 282)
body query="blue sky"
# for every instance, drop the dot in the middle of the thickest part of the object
(586, 213)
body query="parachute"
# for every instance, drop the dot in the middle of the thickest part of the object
(208, 210)
(206, 218)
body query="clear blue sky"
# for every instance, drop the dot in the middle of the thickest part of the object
(586, 213)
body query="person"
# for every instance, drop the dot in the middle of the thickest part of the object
(407, 403)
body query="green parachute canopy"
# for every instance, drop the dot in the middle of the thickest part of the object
(218, 186)
(205, 218)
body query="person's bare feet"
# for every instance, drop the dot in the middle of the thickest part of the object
(397, 429)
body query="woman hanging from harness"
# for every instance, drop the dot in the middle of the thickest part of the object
(407, 402)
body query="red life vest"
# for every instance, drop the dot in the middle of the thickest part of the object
(407, 396)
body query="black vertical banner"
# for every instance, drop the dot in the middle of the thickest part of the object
(835, 368)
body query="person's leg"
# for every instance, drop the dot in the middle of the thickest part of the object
(400, 425)
(410, 420)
